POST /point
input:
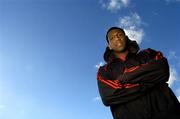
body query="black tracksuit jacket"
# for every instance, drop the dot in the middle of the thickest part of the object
(137, 87)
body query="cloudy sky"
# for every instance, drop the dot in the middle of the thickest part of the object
(50, 51)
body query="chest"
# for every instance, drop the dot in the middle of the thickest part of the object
(118, 67)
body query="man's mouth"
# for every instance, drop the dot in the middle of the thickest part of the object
(119, 44)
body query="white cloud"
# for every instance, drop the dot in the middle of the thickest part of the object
(132, 26)
(177, 91)
(178, 98)
(96, 98)
(173, 76)
(114, 5)
(98, 65)
(125, 2)
(172, 55)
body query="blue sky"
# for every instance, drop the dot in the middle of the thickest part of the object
(50, 51)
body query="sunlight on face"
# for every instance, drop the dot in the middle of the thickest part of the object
(117, 40)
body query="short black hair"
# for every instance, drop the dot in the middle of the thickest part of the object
(112, 28)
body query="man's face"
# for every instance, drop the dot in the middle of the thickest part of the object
(117, 40)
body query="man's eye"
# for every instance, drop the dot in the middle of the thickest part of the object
(119, 34)
(112, 38)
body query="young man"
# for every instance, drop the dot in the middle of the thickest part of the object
(134, 83)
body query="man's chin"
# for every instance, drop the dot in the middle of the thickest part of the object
(120, 50)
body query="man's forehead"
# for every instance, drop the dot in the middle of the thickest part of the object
(114, 31)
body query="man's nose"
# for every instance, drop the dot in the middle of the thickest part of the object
(117, 38)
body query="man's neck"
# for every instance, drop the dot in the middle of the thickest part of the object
(122, 55)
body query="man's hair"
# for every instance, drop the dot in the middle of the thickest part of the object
(112, 28)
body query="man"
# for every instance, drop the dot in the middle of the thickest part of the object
(134, 83)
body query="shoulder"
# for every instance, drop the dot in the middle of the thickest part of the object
(150, 51)
(103, 71)
(150, 54)
(102, 68)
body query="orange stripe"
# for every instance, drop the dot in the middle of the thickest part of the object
(128, 70)
(113, 82)
(108, 83)
(117, 81)
(115, 87)
(158, 56)
(131, 69)
(117, 84)
(130, 85)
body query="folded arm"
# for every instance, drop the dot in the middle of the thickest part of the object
(155, 72)
(113, 92)
(135, 81)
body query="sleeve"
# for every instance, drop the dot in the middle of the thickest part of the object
(155, 71)
(113, 92)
